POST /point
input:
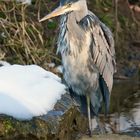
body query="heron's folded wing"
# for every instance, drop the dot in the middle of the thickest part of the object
(101, 47)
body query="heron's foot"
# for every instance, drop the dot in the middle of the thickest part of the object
(100, 128)
(89, 133)
(92, 125)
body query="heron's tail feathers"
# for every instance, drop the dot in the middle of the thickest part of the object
(105, 94)
(96, 102)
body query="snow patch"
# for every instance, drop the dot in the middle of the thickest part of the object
(27, 91)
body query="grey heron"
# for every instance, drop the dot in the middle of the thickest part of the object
(88, 55)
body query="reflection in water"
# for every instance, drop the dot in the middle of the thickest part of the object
(130, 121)
(124, 109)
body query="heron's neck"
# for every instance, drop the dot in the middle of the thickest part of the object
(81, 13)
(75, 34)
(71, 37)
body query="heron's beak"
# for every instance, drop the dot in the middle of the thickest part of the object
(57, 12)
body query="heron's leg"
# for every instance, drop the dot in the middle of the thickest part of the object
(89, 115)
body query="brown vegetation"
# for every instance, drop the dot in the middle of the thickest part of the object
(22, 38)
(26, 41)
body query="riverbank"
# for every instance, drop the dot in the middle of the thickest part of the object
(110, 137)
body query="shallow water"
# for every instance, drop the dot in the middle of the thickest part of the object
(124, 114)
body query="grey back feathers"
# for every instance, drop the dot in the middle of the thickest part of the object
(102, 48)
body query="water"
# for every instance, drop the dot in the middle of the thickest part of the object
(124, 114)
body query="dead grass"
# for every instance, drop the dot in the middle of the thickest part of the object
(22, 38)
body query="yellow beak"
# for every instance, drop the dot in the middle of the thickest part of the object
(57, 12)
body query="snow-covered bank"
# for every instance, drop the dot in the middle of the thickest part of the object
(27, 91)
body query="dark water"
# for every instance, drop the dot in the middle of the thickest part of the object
(124, 114)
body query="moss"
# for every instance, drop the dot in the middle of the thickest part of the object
(107, 19)
(106, 4)
(123, 21)
(52, 25)
(8, 125)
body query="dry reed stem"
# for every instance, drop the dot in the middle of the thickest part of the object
(23, 35)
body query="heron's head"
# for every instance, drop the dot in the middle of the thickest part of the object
(65, 6)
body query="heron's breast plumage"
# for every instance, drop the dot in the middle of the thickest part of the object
(75, 58)
(78, 75)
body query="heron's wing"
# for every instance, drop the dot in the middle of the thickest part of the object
(101, 47)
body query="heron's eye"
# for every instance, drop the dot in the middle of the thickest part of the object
(69, 5)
